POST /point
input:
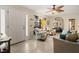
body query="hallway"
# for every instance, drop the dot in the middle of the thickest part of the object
(34, 46)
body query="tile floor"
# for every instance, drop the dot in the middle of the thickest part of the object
(34, 46)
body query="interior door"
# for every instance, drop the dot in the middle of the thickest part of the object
(16, 25)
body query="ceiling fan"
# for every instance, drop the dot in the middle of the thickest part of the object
(56, 8)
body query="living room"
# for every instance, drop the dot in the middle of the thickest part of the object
(19, 25)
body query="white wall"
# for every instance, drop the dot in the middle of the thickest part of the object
(24, 10)
(0, 22)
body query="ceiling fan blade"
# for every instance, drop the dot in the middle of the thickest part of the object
(60, 10)
(60, 6)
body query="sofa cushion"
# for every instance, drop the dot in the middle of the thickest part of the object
(64, 32)
(62, 36)
(72, 37)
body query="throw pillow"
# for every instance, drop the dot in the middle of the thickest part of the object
(72, 37)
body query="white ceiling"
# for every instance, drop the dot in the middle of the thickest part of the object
(43, 9)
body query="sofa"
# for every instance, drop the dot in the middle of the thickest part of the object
(64, 34)
(65, 46)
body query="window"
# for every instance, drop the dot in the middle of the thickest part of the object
(2, 21)
(26, 25)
